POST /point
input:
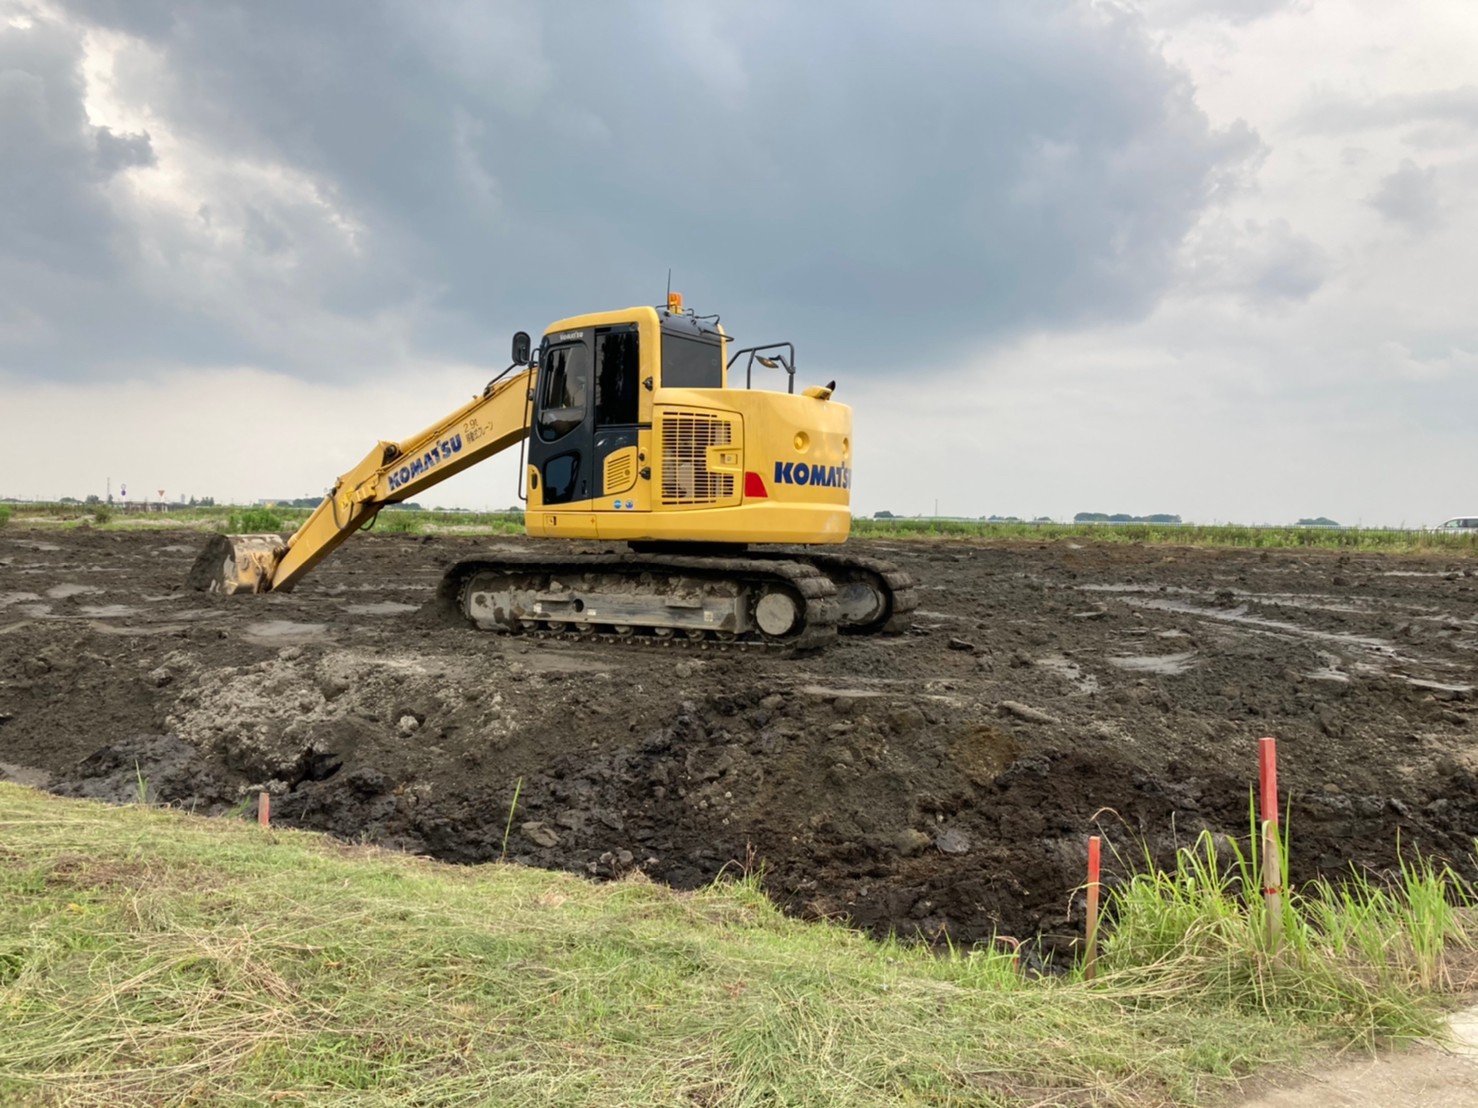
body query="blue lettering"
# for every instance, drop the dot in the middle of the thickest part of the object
(813, 474)
(439, 453)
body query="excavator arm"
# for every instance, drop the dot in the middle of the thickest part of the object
(391, 472)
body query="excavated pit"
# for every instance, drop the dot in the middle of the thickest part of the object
(937, 783)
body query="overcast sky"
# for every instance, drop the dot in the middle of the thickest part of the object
(1209, 257)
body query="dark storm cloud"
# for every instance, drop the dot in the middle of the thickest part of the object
(51, 212)
(68, 301)
(877, 186)
(115, 152)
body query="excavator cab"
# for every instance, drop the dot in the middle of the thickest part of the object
(592, 406)
(638, 433)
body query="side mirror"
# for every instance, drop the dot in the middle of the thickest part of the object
(522, 346)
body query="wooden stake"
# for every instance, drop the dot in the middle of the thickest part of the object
(1090, 964)
(264, 808)
(1272, 859)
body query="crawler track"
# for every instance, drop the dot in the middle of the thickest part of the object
(893, 588)
(648, 599)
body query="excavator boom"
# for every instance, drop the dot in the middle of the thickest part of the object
(391, 472)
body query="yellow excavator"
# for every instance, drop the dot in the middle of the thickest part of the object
(706, 493)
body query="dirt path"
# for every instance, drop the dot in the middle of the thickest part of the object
(1443, 1076)
(941, 782)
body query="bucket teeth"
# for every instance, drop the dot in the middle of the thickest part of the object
(237, 563)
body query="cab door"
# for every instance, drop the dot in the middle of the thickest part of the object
(618, 400)
(561, 439)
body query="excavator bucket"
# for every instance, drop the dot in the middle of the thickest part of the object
(237, 563)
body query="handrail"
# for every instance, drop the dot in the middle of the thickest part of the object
(770, 363)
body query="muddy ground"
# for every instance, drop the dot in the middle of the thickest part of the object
(936, 783)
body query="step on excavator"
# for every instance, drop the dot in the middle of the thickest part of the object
(710, 501)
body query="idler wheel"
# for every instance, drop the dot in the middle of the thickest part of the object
(777, 614)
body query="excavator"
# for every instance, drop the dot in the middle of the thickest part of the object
(711, 501)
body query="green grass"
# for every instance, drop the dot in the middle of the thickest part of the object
(392, 520)
(1354, 952)
(1227, 535)
(253, 520)
(235, 519)
(4, 514)
(151, 957)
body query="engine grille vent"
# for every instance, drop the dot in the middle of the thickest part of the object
(686, 479)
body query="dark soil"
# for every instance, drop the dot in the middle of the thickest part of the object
(940, 783)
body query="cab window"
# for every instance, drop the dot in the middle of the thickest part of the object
(564, 390)
(617, 377)
(691, 363)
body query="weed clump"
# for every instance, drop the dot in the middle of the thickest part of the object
(250, 520)
(1357, 952)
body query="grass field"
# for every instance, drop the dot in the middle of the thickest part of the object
(229, 518)
(147, 956)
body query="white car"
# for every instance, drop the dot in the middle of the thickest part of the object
(1459, 524)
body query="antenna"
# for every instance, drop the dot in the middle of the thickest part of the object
(669, 283)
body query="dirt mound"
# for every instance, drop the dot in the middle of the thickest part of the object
(936, 783)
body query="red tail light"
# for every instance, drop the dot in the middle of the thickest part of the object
(754, 486)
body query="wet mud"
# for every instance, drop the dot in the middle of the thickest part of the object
(938, 783)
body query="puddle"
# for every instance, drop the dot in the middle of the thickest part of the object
(1323, 602)
(1178, 589)
(1069, 671)
(1165, 665)
(546, 660)
(9, 598)
(1329, 671)
(1439, 686)
(283, 632)
(152, 629)
(25, 775)
(1240, 617)
(62, 592)
(383, 608)
(109, 611)
(339, 589)
(830, 693)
